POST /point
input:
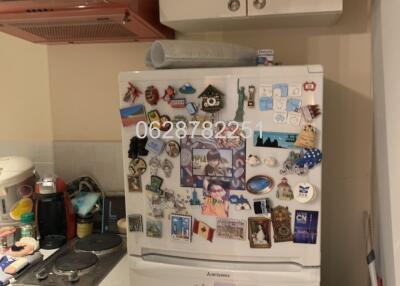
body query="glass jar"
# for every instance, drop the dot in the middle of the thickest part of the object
(6, 238)
(27, 227)
(84, 226)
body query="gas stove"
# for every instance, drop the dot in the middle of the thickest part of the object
(81, 262)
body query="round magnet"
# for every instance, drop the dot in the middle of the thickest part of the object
(304, 193)
(137, 167)
(165, 122)
(173, 149)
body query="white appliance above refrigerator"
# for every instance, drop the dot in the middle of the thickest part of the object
(162, 251)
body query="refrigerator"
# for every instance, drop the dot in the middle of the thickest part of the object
(233, 196)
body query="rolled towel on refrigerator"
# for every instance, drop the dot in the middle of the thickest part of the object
(193, 54)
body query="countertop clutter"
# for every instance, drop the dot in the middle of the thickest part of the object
(54, 233)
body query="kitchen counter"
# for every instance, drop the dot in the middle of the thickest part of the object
(118, 276)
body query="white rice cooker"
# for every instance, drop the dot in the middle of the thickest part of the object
(17, 180)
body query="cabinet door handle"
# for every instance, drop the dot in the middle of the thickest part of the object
(259, 4)
(233, 5)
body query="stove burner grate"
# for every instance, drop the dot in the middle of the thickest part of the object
(75, 262)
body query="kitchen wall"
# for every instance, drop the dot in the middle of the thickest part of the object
(25, 117)
(86, 124)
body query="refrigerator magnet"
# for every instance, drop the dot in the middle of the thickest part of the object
(135, 222)
(270, 161)
(173, 148)
(154, 118)
(137, 167)
(263, 206)
(131, 93)
(304, 193)
(240, 107)
(132, 115)
(280, 90)
(290, 165)
(211, 99)
(294, 118)
(310, 112)
(274, 139)
(305, 227)
(187, 88)
(229, 228)
(194, 199)
(295, 89)
(169, 94)
(280, 104)
(284, 191)
(155, 145)
(293, 104)
(260, 184)
(253, 160)
(151, 94)
(259, 232)
(266, 103)
(165, 122)
(280, 117)
(137, 147)
(252, 95)
(307, 137)
(167, 167)
(134, 183)
(203, 230)
(178, 103)
(181, 227)
(154, 228)
(309, 86)
(240, 202)
(155, 164)
(155, 184)
(265, 90)
(311, 158)
(281, 222)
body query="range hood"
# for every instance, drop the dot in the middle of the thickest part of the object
(82, 21)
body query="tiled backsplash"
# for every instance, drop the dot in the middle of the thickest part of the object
(102, 160)
(41, 154)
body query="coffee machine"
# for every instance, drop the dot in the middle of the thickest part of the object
(55, 217)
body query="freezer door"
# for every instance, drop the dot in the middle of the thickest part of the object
(226, 81)
(169, 271)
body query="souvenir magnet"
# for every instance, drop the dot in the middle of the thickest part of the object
(295, 89)
(179, 118)
(266, 103)
(280, 90)
(230, 136)
(304, 193)
(155, 184)
(305, 227)
(240, 107)
(281, 222)
(229, 228)
(310, 112)
(191, 108)
(134, 183)
(280, 104)
(132, 93)
(154, 228)
(155, 164)
(253, 160)
(165, 122)
(152, 95)
(311, 158)
(294, 118)
(137, 147)
(265, 90)
(216, 198)
(187, 88)
(173, 149)
(259, 232)
(155, 145)
(167, 167)
(169, 94)
(259, 185)
(135, 222)
(262, 206)
(274, 139)
(270, 162)
(240, 202)
(203, 230)
(137, 167)
(154, 117)
(280, 117)
(211, 99)
(181, 227)
(290, 165)
(307, 137)
(284, 191)
(194, 201)
(252, 95)
(293, 104)
(132, 115)
(309, 86)
(178, 103)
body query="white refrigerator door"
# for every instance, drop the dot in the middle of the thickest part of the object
(184, 272)
(225, 79)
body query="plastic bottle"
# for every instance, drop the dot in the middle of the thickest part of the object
(28, 228)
